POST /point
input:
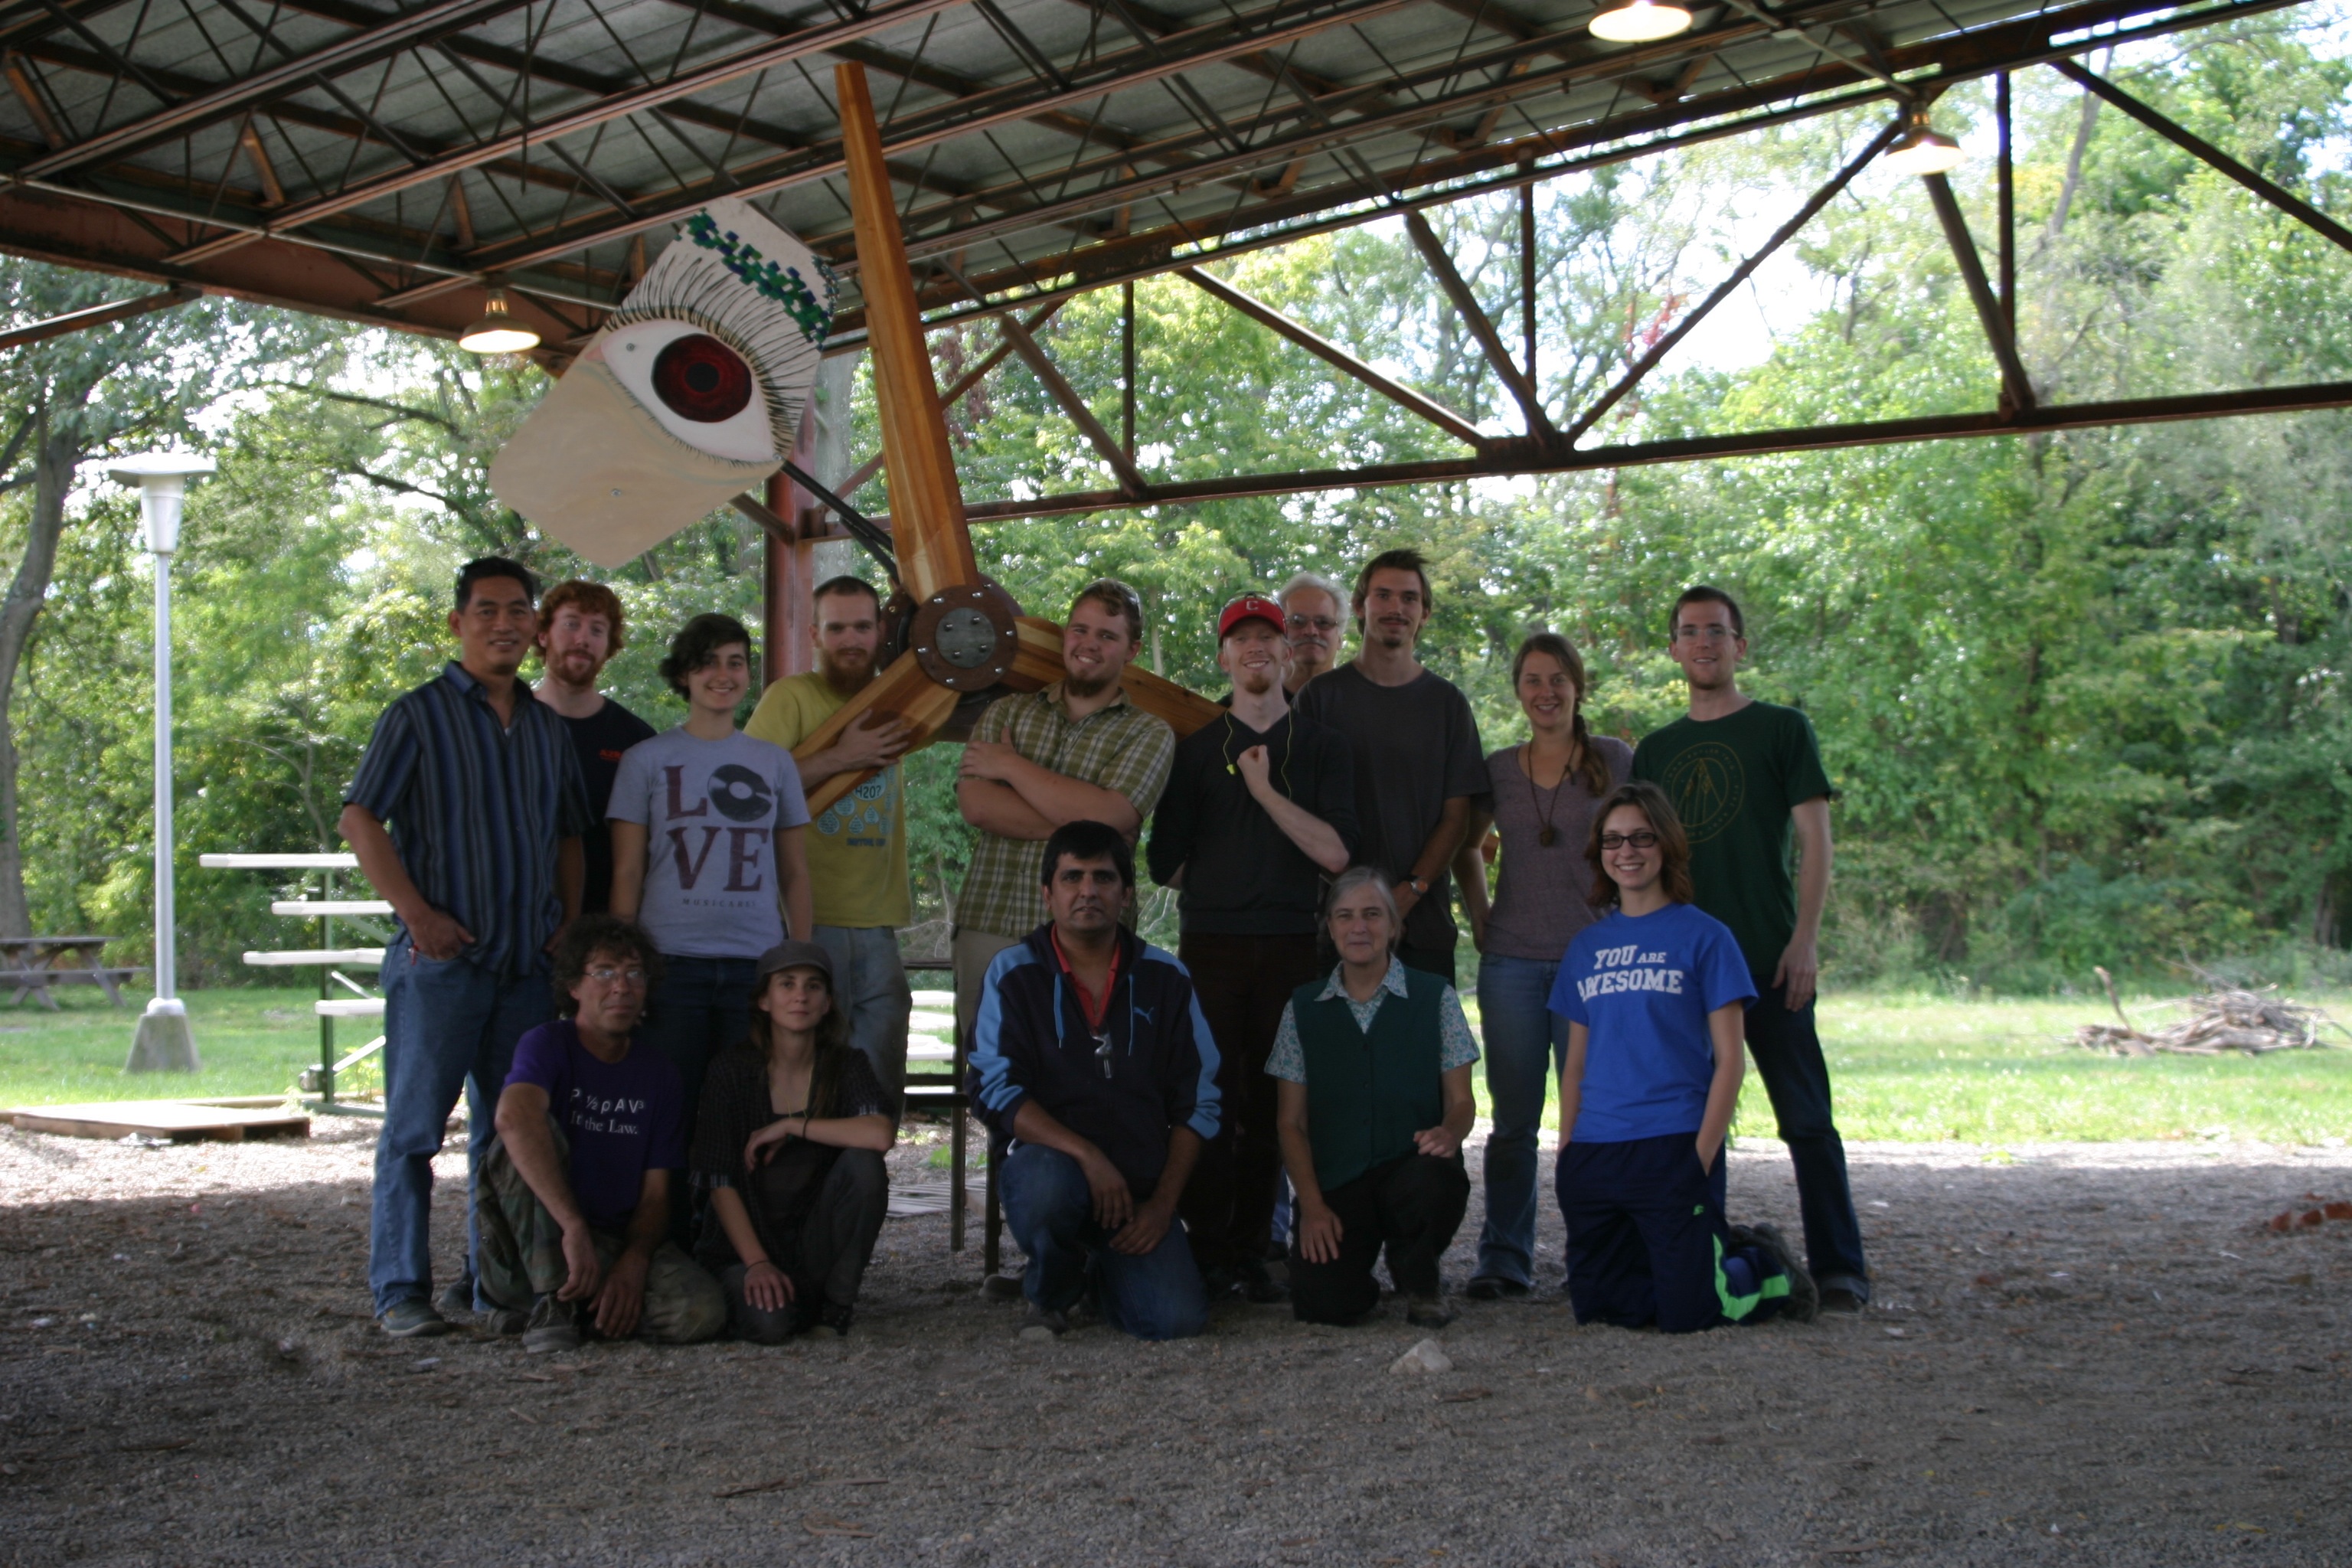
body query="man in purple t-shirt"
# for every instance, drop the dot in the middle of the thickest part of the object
(575, 1191)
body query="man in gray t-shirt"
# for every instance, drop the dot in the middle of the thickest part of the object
(714, 813)
(1418, 765)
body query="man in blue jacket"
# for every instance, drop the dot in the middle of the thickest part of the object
(1091, 1056)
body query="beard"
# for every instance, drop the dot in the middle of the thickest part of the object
(848, 668)
(1256, 681)
(1088, 686)
(575, 667)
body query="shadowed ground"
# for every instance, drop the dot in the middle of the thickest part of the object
(2085, 1353)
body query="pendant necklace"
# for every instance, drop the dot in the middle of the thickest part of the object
(1547, 835)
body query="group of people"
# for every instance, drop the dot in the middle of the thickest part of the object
(674, 997)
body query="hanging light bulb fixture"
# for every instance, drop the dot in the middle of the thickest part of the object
(1639, 22)
(1922, 148)
(498, 332)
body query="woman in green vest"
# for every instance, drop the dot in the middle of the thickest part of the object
(1375, 1101)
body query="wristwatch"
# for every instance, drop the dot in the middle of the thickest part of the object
(1419, 886)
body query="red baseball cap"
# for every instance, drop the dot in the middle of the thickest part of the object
(1247, 606)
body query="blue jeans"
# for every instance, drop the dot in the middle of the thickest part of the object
(702, 1007)
(448, 1025)
(1526, 1044)
(1050, 1210)
(870, 988)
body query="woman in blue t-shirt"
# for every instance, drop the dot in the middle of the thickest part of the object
(1655, 994)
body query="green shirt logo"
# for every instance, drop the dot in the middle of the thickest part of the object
(1709, 787)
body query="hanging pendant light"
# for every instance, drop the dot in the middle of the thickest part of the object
(1924, 150)
(1641, 21)
(498, 332)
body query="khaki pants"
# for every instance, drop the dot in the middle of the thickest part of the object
(520, 1257)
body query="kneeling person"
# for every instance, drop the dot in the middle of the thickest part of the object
(1091, 1055)
(795, 1124)
(576, 1189)
(1655, 994)
(1374, 1103)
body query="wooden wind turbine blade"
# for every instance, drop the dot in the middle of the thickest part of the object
(1037, 655)
(1183, 709)
(927, 521)
(902, 691)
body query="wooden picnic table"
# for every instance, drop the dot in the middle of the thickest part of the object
(34, 963)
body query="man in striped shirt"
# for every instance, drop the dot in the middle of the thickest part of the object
(482, 866)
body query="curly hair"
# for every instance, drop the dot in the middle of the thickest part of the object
(1673, 843)
(589, 599)
(590, 935)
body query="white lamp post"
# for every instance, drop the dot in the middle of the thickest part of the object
(163, 1042)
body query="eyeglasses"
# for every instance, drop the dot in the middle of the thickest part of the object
(1320, 623)
(605, 974)
(1644, 839)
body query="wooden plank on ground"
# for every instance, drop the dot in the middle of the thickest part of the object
(181, 1121)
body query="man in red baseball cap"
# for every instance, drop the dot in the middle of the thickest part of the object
(1260, 807)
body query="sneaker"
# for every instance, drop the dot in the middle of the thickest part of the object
(1040, 1327)
(1259, 1285)
(1803, 1302)
(553, 1326)
(1217, 1282)
(1839, 1299)
(1428, 1312)
(414, 1318)
(833, 1318)
(1497, 1288)
(456, 1299)
(505, 1321)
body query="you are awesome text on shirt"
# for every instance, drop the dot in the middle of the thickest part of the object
(1629, 969)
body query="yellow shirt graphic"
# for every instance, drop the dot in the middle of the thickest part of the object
(856, 846)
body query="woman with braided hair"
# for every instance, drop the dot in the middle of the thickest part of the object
(1546, 790)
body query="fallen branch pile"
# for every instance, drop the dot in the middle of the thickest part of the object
(2223, 1018)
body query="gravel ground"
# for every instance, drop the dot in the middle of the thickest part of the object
(2089, 1354)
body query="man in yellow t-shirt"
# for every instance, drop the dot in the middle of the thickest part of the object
(857, 846)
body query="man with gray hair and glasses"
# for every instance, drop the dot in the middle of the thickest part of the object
(1313, 610)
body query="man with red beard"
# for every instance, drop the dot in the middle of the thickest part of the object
(1260, 807)
(856, 846)
(581, 628)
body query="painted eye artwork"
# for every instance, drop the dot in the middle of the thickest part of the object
(690, 395)
(695, 386)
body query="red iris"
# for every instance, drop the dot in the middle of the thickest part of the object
(702, 379)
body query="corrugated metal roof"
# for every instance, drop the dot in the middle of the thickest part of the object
(345, 156)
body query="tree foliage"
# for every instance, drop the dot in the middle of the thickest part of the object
(2084, 694)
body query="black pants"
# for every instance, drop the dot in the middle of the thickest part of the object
(827, 1257)
(1437, 961)
(1413, 1205)
(1788, 1051)
(1646, 1241)
(1243, 984)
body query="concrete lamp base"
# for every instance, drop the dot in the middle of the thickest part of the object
(164, 1043)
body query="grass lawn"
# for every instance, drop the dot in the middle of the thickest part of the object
(1929, 1069)
(251, 1042)
(1906, 1067)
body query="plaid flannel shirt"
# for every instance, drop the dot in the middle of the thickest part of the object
(1116, 747)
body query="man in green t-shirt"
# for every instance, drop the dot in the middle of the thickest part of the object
(856, 846)
(1746, 778)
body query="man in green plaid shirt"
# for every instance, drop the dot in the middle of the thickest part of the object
(1077, 751)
